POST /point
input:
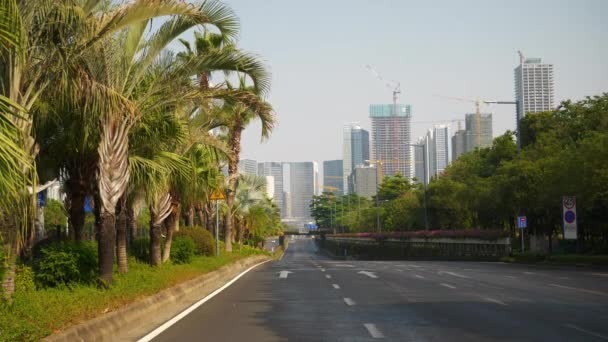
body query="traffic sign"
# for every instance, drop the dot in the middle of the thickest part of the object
(569, 217)
(217, 195)
(522, 222)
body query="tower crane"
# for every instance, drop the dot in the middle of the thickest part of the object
(395, 87)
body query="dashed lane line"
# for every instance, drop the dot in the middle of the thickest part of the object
(336, 286)
(580, 290)
(496, 301)
(588, 332)
(373, 330)
(448, 285)
(349, 301)
(328, 276)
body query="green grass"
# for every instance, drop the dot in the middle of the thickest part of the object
(36, 314)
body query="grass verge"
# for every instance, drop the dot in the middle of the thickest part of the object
(38, 313)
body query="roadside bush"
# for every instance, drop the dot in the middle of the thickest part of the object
(64, 263)
(182, 250)
(24, 279)
(204, 243)
(140, 249)
(54, 215)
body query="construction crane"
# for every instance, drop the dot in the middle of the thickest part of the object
(395, 87)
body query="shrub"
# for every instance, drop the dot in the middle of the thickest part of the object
(54, 215)
(24, 279)
(204, 243)
(64, 263)
(182, 250)
(140, 249)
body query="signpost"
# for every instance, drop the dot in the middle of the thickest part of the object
(217, 195)
(569, 217)
(522, 223)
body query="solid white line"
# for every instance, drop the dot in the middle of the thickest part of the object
(418, 276)
(194, 306)
(447, 285)
(572, 326)
(581, 290)
(349, 301)
(495, 301)
(371, 328)
(327, 276)
(336, 286)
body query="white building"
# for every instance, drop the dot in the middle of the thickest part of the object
(304, 184)
(248, 167)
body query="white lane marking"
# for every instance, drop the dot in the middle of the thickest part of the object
(572, 326)
(322, 270)
(453, 274)
(194, 306)
(529, 273)
(336, 286)
(327, 276)
(373, 330)
(369, 274)
(418, 276)
(343, 265)
(349, 301)
(581, 290)
(495, 301)
(447, 285)
(284, 274)
(510, 276)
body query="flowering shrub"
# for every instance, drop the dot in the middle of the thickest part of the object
(430, 234)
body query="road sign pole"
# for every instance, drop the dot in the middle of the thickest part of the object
(217, 228)
(521, 232)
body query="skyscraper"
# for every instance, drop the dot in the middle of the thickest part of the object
(485, 138)
(459, 142)
(534, 88)
(248, 167)
(422, 161)
(333, 177)
(365, 181)
(355, 151)
(391, 136)
(303, 184)
(274, 169)
(441, 148)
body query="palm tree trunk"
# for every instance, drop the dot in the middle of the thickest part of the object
(155, 231)
(190, 217)
(235, 147)
(121, 236)
(171, 223)
(159, 211)
(131, 226)
(105, 246)
(201, 216)
(8, 232)
(76, 212)
(210, 217)
(113, 179)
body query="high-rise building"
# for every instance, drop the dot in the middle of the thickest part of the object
(355, 151)
(441, 148)
(247, 167)
(333, 177)
(423, 157)
(534, 88)
(459, 141)
(485, 138)
(391, 136)
(274, 169)
(303, 184)
(270, 186)
(365, 181)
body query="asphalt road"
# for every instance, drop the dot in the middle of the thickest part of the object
(328, 300)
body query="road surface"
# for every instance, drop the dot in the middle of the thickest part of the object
(309, 297)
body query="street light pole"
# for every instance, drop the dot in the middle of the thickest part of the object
(217, 228)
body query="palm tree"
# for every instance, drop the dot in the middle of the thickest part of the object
(236, 117)
(250, 191)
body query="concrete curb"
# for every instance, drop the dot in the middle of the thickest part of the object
(135, 320)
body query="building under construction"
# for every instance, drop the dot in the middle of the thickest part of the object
(391, 137)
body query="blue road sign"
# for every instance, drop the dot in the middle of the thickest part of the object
(522, 222)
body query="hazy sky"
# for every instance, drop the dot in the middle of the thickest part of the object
(317, 51)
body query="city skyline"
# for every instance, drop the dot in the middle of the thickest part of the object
(464, 49)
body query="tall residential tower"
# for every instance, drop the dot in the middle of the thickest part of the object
(355, 151)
